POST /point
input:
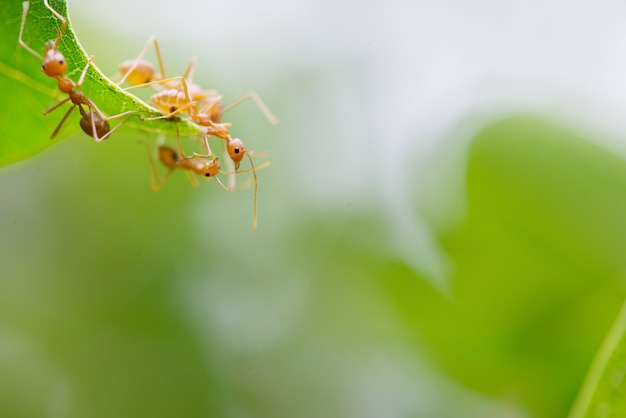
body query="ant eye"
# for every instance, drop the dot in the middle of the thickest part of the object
(61, 62)
(207, 174)
(237, 150)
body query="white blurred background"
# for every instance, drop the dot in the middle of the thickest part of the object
(383, 83)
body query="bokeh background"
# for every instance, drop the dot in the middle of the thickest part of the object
(441, 231)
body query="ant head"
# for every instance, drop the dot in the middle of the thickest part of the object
(211, 168)
(236, 150)
(54, 64)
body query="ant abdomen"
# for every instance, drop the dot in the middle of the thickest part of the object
(137, 72)
(102, 127)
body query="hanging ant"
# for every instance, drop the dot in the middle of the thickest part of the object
(201, 165)
(94, 123)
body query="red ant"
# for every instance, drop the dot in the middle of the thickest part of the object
(54, 66)
(208, 168)
(173, 102)
(139, 71)
(94, 123)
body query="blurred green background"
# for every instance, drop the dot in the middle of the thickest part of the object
(441, 230)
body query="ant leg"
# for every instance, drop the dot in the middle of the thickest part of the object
(128, 112)
(56, 106)
(257, 100)
(181, 109)
(94, 131)
(249, 170)
(163, 81)
(67, 114)
(180, 143)
(156, 182)
(206, 144)
(215, 101)
(227, 188)
(184, 108)
(93, 107)
(115, 128)
(58, 16)
(256, 184)
(84, 73)
(190, 71)
(245, 185)
(167, 80)
(25, 7)
(256, 190)
(192, 179)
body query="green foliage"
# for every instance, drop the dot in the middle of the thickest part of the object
(538, 267)
(27, 91)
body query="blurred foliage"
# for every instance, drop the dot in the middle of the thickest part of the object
(539, 270)
(100, 315)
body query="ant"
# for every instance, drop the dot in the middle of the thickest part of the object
(94, 123)
(139, 71)
(208, 168)
(173, 102)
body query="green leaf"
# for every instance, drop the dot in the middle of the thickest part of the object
(604, 391)
(27, 91)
